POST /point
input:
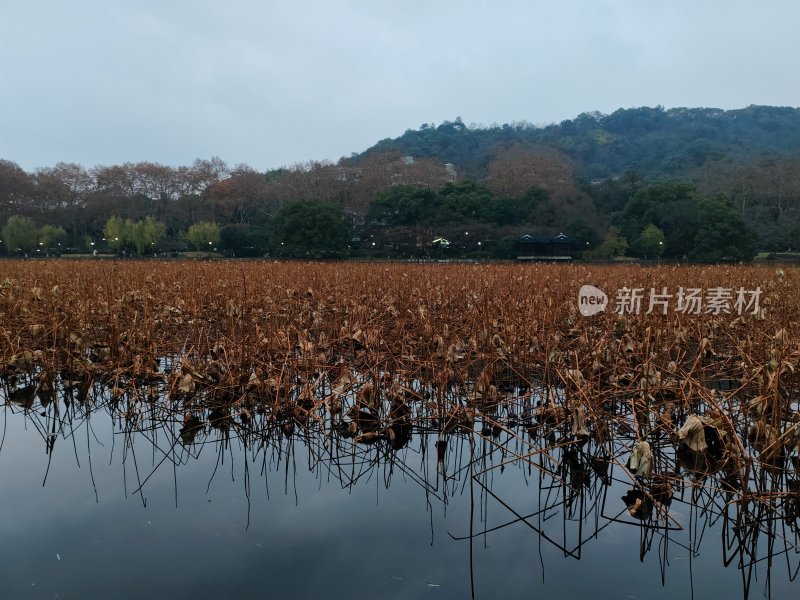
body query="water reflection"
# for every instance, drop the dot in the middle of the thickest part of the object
(343, 479)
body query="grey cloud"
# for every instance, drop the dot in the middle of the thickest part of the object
(272, 83)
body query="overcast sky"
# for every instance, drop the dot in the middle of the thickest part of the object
(272, 83)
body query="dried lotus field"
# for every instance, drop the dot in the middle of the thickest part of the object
(687, 396)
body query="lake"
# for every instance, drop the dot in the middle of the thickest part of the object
(111, 494)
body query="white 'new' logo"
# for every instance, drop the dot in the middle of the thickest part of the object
(591, 300)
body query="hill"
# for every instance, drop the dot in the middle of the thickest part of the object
(658, 144)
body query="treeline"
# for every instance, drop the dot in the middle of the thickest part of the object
(751, 155)
(111, 208)
(666, 220)
(243, 203)
(669, 220)
(695, 184)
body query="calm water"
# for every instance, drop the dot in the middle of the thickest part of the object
(100, 503)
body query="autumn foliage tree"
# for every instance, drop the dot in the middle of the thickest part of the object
(515, 169)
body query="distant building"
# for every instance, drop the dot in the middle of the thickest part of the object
(537, 246)
(404, 171)
(349, 173)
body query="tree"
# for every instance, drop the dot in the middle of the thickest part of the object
(62, 186)
(613, 193)
(16, 188)
(506, 247)
(241, 198)
(203, 235)
(117, 232)
(310, 228)
(463, 202)
(583, 234)
(673, 207)
(402, 205)
(51, 236)
(766, 192)
(724, 234)
(650, 243)
(20, 233)
(613, 245)
(241, 239)
(515, 169)
(145, 234)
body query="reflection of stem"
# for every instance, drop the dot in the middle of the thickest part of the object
(471, 516)
(89, 454)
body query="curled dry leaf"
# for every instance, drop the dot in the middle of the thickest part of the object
(641, 459)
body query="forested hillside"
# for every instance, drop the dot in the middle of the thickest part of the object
(699, 183)
(657, 143)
